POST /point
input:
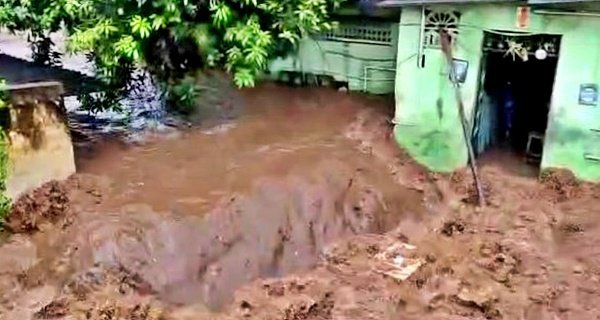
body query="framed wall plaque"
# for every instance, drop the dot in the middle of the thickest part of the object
(588, 94)
(460, 67)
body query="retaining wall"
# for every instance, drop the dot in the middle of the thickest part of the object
(40, 148)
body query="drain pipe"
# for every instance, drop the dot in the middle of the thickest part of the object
(566, 13)
(421, 49)
(591, 157)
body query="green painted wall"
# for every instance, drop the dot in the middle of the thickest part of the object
(427, 124)
(364, 66)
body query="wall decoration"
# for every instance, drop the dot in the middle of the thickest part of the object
(460, 67)
(520, 46)
(588, 94)
(515, 50)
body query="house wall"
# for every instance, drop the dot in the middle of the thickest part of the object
(364, 66)
(40, 148)
(427, 123)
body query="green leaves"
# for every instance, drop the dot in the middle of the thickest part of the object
(3, 98)
(173, 39)
(106, 28)
(244, 77)
(256, 56)
(234, 55)
(158, 21)
(128, 47)
(141, 26)
(249, 50)
(250, 2)
(185, 94)
(293, 38)
(221, 13)
(5, 201)
(83, 39)
(200, 33)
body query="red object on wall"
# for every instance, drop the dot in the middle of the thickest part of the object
(522, 17)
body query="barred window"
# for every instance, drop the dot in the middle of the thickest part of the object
(436, 20)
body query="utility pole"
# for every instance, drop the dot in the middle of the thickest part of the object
(447, 50)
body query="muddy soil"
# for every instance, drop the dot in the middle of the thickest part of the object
(286, 213)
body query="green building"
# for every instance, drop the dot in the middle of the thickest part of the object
(528, 71)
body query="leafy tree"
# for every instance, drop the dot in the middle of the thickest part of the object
(171, 39)
(5, 201)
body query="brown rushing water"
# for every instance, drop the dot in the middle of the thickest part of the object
(270, 198)
(282, 131)
(198, 215)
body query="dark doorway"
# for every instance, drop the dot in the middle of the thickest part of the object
(515, 92)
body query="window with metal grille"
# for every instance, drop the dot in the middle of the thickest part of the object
(374, 33)
(436, 20)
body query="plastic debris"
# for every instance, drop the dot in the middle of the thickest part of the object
(392, 262)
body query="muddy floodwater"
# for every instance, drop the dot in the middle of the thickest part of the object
(301, 207)
(259, 196)
(201, 213)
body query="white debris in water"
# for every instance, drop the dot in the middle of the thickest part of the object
(222, 128)
(394, 264)
(141, 112)
(398, 260)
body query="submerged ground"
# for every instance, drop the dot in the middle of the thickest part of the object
(286, 213)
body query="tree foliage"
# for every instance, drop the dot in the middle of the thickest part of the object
(168, 38)
(5, 201)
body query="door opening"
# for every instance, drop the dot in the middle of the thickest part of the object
(517, 79)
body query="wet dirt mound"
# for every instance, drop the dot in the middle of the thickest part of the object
(562, 183)
(98, 294)
(279, 227)
(46, 204)
(463, 184)
(348, 284)
(105, 293)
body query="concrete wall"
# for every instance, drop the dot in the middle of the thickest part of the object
(40, 146)
(364, 66)
(427, 124)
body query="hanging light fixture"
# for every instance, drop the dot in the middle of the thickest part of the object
(541, 54)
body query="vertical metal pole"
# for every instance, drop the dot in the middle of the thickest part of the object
(447, 49)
